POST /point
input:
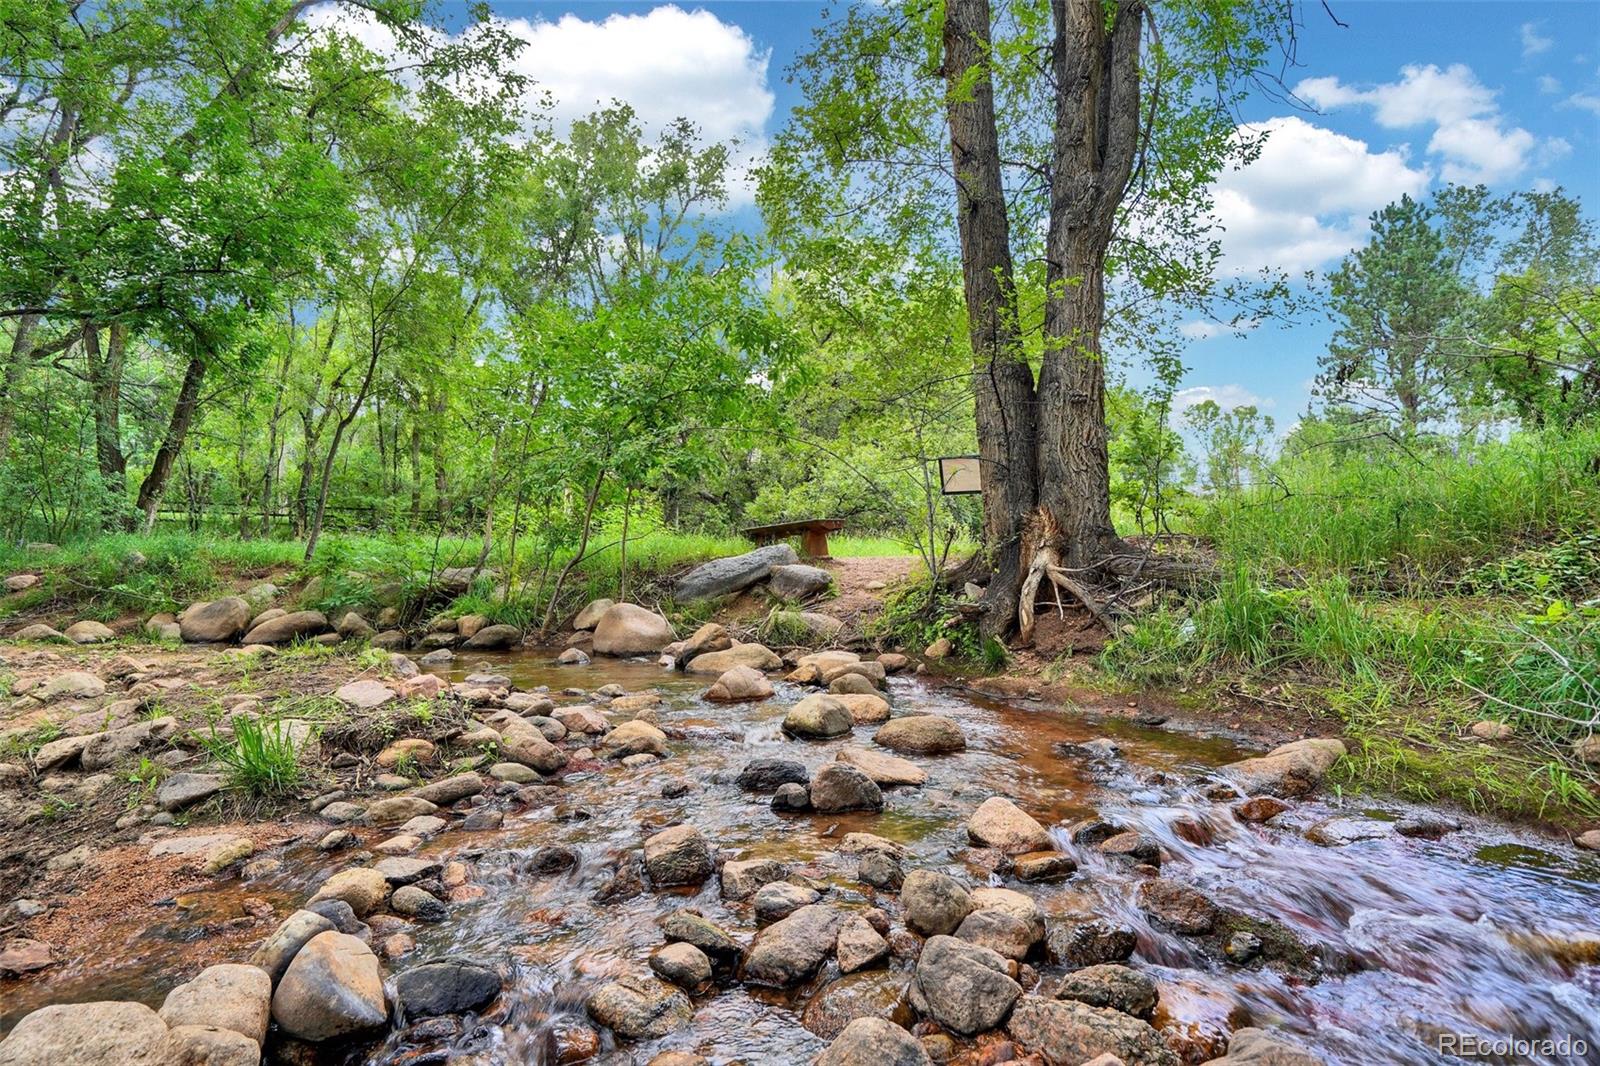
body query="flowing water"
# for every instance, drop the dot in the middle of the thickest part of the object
(1489, 932)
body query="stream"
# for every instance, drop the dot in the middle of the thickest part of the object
(1490, 931)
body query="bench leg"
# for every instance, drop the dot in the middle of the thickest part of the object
(814, 543)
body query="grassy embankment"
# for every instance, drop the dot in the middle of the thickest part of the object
(1411, 596)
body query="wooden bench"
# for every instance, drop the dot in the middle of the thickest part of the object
(813, 533)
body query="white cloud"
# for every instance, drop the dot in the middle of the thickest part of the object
(1226, 397)
(1471, 136)
(1549, 85)
(1533, 42)
(1202, 329)
(1587, 101)
(666, 63)
(1305, 199)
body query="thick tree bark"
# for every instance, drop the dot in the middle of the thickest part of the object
(105, 386)
(155, 483)
(1097, 131)
(1002, 381)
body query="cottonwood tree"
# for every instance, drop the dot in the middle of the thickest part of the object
(1079, 140)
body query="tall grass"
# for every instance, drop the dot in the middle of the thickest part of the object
(1421, 515)
(260, 757)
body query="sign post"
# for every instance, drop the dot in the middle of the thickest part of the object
(960, 475)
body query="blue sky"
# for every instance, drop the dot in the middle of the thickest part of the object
(1404, 96)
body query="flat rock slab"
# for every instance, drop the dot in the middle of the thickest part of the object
(365, 695)
(185, 790)
(722, 577)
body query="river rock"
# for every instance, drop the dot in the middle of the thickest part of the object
(42, 633)
(279, 949)
(713, 636)
(354, 627)
(591, 614)
(677, 856)
(742, 878)
(720, 577)
(818, 718)
(740, 683)
(1001, 932)
(683, 965)
(73, 684)
(921, 734)
(691, 928)
(1110, 985)
(398, 809)
(1067, 1033)
(21, 582)
(418, 903)
(1042, 867)
(640, 1008)
(859, 945)
(105, 750)
(1257, 1047)
(214, 622)
(444, 792)
(789, 951)
(852, 684)
(838, 786)
(886, 770)
(1340, 831)
(333, 988)
(581, 719)
(874, 1042)
(366, 695)
(87, 1034)
(799, 581)
(776, 901)
(962, 986)
(1085, 940)
(628, 629)
(998, 823)
(755, 656)
(415, 749)
(766, 773)
(207, 1045)
(935, 903)
(362, 888)
(865, 708)
(60, 752)
(573, 657)
(525, 744)
(1287, 771)
(1259, 809)
(89, 631)
(1178, 906)
(286, 627)
(446, 986)
(635, 737)
(229, 996)
(494, 638)
(791, 797)
(185, 790)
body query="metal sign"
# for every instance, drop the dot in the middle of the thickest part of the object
(960, 475)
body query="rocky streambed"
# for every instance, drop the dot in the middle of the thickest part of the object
(603, 863)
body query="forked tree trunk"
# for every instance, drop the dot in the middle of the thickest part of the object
(1002, 381)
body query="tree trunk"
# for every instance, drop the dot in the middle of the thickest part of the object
(155, 483)
(105, 386)
(21, 346)
(1002, 382)
(1097, 130)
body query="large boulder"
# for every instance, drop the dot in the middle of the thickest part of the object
(640, 1008)
(874, 1042)
(1067, 1033)
(962, 986)
(799, 581)
(678, 856)
(1257, 1047)
(280, 948)
(286, 627)
(446, 986)
(755, 656)
(333, 988)
(628, 629)
(886, 770)
(494, 638)
(720, 577)
(633, 737)
(999, 823)
(839, 787)
(87, 1034)
(1294, 769)
(935, 903)
(921, 734)
(818, 718)
(787, 952)
(89, 631)
(740, 683)
(214, 622)
(591, 614)
(229, 996)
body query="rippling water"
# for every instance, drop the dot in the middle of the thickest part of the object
(1489, 931)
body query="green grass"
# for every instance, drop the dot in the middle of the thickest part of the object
(260, 758)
